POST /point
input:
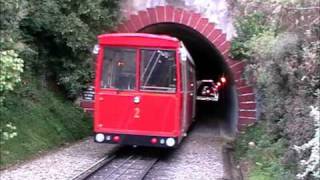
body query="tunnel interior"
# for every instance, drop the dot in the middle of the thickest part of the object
(209, 65)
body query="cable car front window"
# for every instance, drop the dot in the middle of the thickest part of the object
(158, 70)
(119, 68)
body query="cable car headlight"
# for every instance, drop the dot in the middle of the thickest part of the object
(99, 137)
(170, 142)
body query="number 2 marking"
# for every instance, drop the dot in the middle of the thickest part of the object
(136, 113)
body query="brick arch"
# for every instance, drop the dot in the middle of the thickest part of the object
(164, 14)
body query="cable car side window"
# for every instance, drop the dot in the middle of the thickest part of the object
(158, 70)
(119, 68)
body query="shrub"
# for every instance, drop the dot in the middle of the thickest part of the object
(283, 64)
(247, 27)
(55, 38)
(262, 152)
(34, 119)
(11, 68)
(312, 165)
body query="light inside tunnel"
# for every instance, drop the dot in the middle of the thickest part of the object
(223, 79)
(209, 65)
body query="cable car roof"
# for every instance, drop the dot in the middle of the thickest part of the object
(138, 39)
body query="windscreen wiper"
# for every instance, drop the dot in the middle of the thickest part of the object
(152, 68)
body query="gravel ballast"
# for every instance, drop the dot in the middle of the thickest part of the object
(64, 163)
(198, 157)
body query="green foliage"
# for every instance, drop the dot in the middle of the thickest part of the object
(64, 31)
(262, 44)
(247, 27)
(40, 119)
(312, 163)
(55, 38)
(264, 156)
(282, 56)
(11, 68)
(7, 132)
(12, 12)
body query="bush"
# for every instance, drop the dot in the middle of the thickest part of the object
(262, 152)
(55, 38)
(34, 120)
(247, 27)
(11, 68)
(312, 164)
(282, 64)
(64, 32)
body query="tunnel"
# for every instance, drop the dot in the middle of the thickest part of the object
(209, 47)
(209, 66)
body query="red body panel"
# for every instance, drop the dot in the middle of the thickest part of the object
(157, 114)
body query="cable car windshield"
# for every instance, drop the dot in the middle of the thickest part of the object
(158, 70)
(119, 68)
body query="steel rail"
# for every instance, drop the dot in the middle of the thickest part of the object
(147, 169)
(121, 174)
(122, 164)
(94, 168)
(117, 154)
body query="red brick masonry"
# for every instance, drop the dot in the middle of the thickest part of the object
(160, 14)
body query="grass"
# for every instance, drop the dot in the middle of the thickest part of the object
(264, 158)
(43, 120)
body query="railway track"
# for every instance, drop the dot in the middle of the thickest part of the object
(123, 163)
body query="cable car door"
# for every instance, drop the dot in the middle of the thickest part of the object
(114, 106)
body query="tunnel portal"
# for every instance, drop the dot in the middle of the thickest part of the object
(210, 50)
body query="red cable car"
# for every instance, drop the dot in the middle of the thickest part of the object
(145, 90)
